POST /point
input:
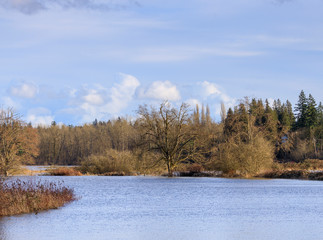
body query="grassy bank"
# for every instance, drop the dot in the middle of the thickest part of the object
(18, 197)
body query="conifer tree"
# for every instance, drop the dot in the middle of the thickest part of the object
(311, 112)
(319, 114)
(301, 109)
(229, 123)
(290, 113)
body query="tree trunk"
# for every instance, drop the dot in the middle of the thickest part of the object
(170, 169)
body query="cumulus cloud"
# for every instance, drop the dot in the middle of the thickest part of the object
(24, 90)
(210, 88)
(122, 93)
(35, 6)
(40, 117)
(92, 102)
(214, 95)
(160, 91)
(10, 103)
(192, 102)
(40, 120)
(94, 97)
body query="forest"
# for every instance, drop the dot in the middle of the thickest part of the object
(250, 138)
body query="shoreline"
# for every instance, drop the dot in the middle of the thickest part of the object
(316, 175)
(27, 196)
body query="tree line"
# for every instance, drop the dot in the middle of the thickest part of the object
(248, 139)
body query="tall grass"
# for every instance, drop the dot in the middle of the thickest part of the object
(18, 196)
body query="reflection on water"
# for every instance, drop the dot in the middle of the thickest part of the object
(177, 208)
(2, 230)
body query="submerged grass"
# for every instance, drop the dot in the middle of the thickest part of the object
(18, 196)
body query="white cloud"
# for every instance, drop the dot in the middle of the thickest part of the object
(212, 91)
(10, 103)
(99, 102)
(122, 93)
(193, 102)
(24, 90)
(40, 120)
(40, 117)
(160, 91)
(93, 97)
(210, 88)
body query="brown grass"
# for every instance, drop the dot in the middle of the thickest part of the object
(18, 197)
(64, 171)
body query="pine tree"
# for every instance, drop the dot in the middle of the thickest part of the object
(301, 109)
(311, 112)
(319, 114)
(290, 113)
(229, 123)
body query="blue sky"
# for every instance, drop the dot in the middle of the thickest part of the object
(76, 60)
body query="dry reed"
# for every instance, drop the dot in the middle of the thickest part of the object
(18, 196)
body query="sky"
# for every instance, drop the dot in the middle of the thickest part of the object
(73, 61)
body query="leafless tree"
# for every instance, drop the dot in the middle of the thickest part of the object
(166, 131)
(11, 135)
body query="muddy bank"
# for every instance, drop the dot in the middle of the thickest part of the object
(294, 174)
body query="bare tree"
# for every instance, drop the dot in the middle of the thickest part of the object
(11, 134)
(166, 131)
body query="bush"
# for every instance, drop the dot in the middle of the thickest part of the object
(64, 171)
(19, 196)
(112, 162)
(245, 158)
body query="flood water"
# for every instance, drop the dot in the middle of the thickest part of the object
(177, 208)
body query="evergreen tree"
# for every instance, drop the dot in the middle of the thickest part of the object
(228, 123)
(319, 114)
(311, 112)
(290, 113)
(301, 109)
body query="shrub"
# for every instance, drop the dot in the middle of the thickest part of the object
(64, 171)
(112, 161)
(245, 158)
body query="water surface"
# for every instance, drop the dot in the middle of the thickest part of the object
(177, 208)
